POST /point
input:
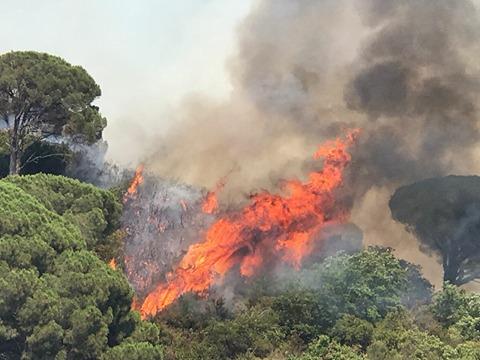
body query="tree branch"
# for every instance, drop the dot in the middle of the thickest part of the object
(35, 159)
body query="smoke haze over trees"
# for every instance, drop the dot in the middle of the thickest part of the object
(76, 261)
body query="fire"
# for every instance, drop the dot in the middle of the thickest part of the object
(136, 182)
(113, 264)
(210, 205)
(270, 226)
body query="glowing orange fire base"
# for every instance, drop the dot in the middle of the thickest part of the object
(270, 225)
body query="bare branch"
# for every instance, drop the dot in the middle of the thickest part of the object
(35, 159)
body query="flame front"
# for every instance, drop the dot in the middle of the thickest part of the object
(136, 182)
(271, 225)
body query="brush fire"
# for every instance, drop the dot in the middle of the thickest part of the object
(270, 228)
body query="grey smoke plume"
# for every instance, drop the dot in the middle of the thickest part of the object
(405, 72)
(85, 162)
(418, 87)
(89, 164)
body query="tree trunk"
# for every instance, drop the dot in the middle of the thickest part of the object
(14, 150)
(451, 269)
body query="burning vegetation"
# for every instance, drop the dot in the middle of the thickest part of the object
(136, 182)
(290, 256)
(210, 205)
(270, 228)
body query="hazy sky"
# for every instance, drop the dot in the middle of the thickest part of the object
(145, 54)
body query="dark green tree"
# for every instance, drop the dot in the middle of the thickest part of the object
(57, 300)
(352, 331)
(94, 211)
(304, 313)
(30, 234)
(444, 213)
(43, 95)
(135, 351)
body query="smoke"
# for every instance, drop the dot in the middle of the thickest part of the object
(403, 71)
(417, 87)
(274, 117)
(79, 160)
(89, 164)
(372, 212)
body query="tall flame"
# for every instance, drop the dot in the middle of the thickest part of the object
(210, 205)
(136, 182)
(271, 225)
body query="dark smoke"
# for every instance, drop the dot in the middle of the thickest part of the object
(417, 88)
(405, 71)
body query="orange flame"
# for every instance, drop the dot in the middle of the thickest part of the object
(113, 264)
(210, 205)
(136, 182)
(270, 225)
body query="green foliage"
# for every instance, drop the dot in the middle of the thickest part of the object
(256, 329)
(30, 234)
(136, 351)
(469, 350)
(304, 313)
(192, 312)
(43, 94)
(330, 312)
(149, 332)
(368, 284)
(450, 305)
(94, 211)
(81, 301)
(459, 311)
(325, 349)
(4, 148)
(419, 290)
(352, 331)
(397, 337)
(62, 93)
(57, 299)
